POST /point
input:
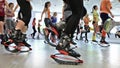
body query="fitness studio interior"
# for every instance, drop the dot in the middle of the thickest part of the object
(59, 33)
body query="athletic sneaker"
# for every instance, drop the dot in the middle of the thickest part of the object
(72, 42)
(104, 42)
(76, 38)
(94, 41)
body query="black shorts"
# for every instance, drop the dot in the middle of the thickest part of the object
(104, 17)
(2, 18)
(26, 16)
(47, 22)
(93, 22)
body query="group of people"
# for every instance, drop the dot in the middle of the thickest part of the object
(8, 26)
(105, 11)
(53, 20)
(73, 11)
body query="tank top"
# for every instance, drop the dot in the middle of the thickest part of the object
(103, 5)
(47, 14)
(33, 23)
(96, 15)
(9, 11)
(2, 7)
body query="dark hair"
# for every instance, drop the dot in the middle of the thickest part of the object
(46, 4)
(10, 4)
(93, 8)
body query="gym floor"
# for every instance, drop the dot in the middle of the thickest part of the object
(94, 56)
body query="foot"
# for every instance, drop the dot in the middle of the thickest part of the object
(30, 49)
(32, 36)
(104, 42)
(86, 41)
(64, 42)
(94, 41)
(76, 38)
(72, 42)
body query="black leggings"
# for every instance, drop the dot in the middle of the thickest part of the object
(25, 16)
(78, 11)
(34, 31)
(25, 11)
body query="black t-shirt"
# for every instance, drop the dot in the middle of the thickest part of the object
(24, 5)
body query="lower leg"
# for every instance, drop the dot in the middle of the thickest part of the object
(1, 27)
(81, 37)
(103, 36)
(86, 36)
(20, 31)
(94, 37)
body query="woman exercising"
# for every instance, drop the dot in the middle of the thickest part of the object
(105, 10)
(46, 11)
(3, 6)
(95, 22)
(78, 11)
(24, 17)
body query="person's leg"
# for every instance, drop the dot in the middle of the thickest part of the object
(95, 31)
(3, 36)
(9, 25)
(19, 25)
(104, 17)
(86, 31)
(78, 11)
(1, 27)
(20, 15)
(1, 31)
(46, 20)
(34, 32)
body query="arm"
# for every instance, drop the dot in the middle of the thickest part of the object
(6, 4)
(42, 14)
(16, 7)
(108, 7)
(7, 8)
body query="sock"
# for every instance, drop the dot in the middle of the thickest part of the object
(93, 37)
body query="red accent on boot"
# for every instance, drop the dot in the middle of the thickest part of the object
(63, 52)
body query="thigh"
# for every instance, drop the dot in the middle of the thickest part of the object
(46, 22)
(104, 17)
(76, 5)
(26, 17)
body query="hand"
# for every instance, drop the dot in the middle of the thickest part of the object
(112, 15)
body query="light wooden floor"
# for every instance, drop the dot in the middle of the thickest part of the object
(94, 56)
